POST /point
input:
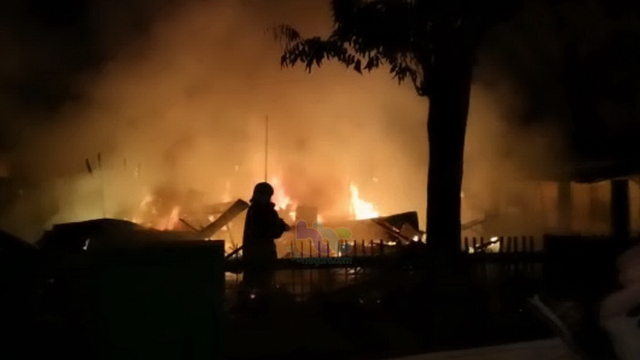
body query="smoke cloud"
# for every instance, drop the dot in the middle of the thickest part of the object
(178, 105)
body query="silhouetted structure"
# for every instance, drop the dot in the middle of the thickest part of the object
(21, 265)
(160, 300)
(120, 291)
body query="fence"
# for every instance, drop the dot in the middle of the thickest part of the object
(309, 268)
(501, 244)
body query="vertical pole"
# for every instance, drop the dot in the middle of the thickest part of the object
(594, 211)
(266, 148)
(104, 197)
(564, 206)
(620, 209)
(310, 270)
(346, 274)
(532, 244)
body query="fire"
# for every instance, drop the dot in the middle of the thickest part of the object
(281, 199)
(361, 209)
(171, 222)
(494, 246)
(144, 206)
(158, 221)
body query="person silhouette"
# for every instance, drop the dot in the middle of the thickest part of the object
(262, 226)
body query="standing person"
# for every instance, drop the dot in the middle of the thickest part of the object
(262, 226)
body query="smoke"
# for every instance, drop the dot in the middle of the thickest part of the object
(180, 106)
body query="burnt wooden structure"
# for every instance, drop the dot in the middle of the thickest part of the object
(618, 172)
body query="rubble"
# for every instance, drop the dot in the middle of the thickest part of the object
(227, 216)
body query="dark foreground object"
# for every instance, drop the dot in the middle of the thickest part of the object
(395, 312)
(161, 302)
(156, 300)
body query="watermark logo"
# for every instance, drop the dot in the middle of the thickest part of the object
(318, 240)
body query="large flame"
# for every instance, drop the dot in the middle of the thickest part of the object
(361, 209)
(153, 211)
(171, 222)
(148, 215)
(281, 199)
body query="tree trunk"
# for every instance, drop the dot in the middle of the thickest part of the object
(450, 84)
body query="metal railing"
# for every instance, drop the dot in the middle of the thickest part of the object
(309, 268)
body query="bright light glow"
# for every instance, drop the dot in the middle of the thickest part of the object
(416, 238)
(226, 197)
(281, 199)
(494, 246)
(86, 245)
(171, 222)
(142, 208)
(361, 209)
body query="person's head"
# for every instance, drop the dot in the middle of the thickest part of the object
(262, 193)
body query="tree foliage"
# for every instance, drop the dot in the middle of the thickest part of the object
(406, 35)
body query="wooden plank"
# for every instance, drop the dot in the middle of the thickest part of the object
(234, 210)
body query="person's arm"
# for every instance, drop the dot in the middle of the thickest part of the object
(278, 226)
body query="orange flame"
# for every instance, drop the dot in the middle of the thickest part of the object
(281, 199)
(172, 221)
(361, 209)
(159, 222)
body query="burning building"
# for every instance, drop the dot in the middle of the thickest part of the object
(178, 116)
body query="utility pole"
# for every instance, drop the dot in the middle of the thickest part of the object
(104, 197)
(266, 147)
